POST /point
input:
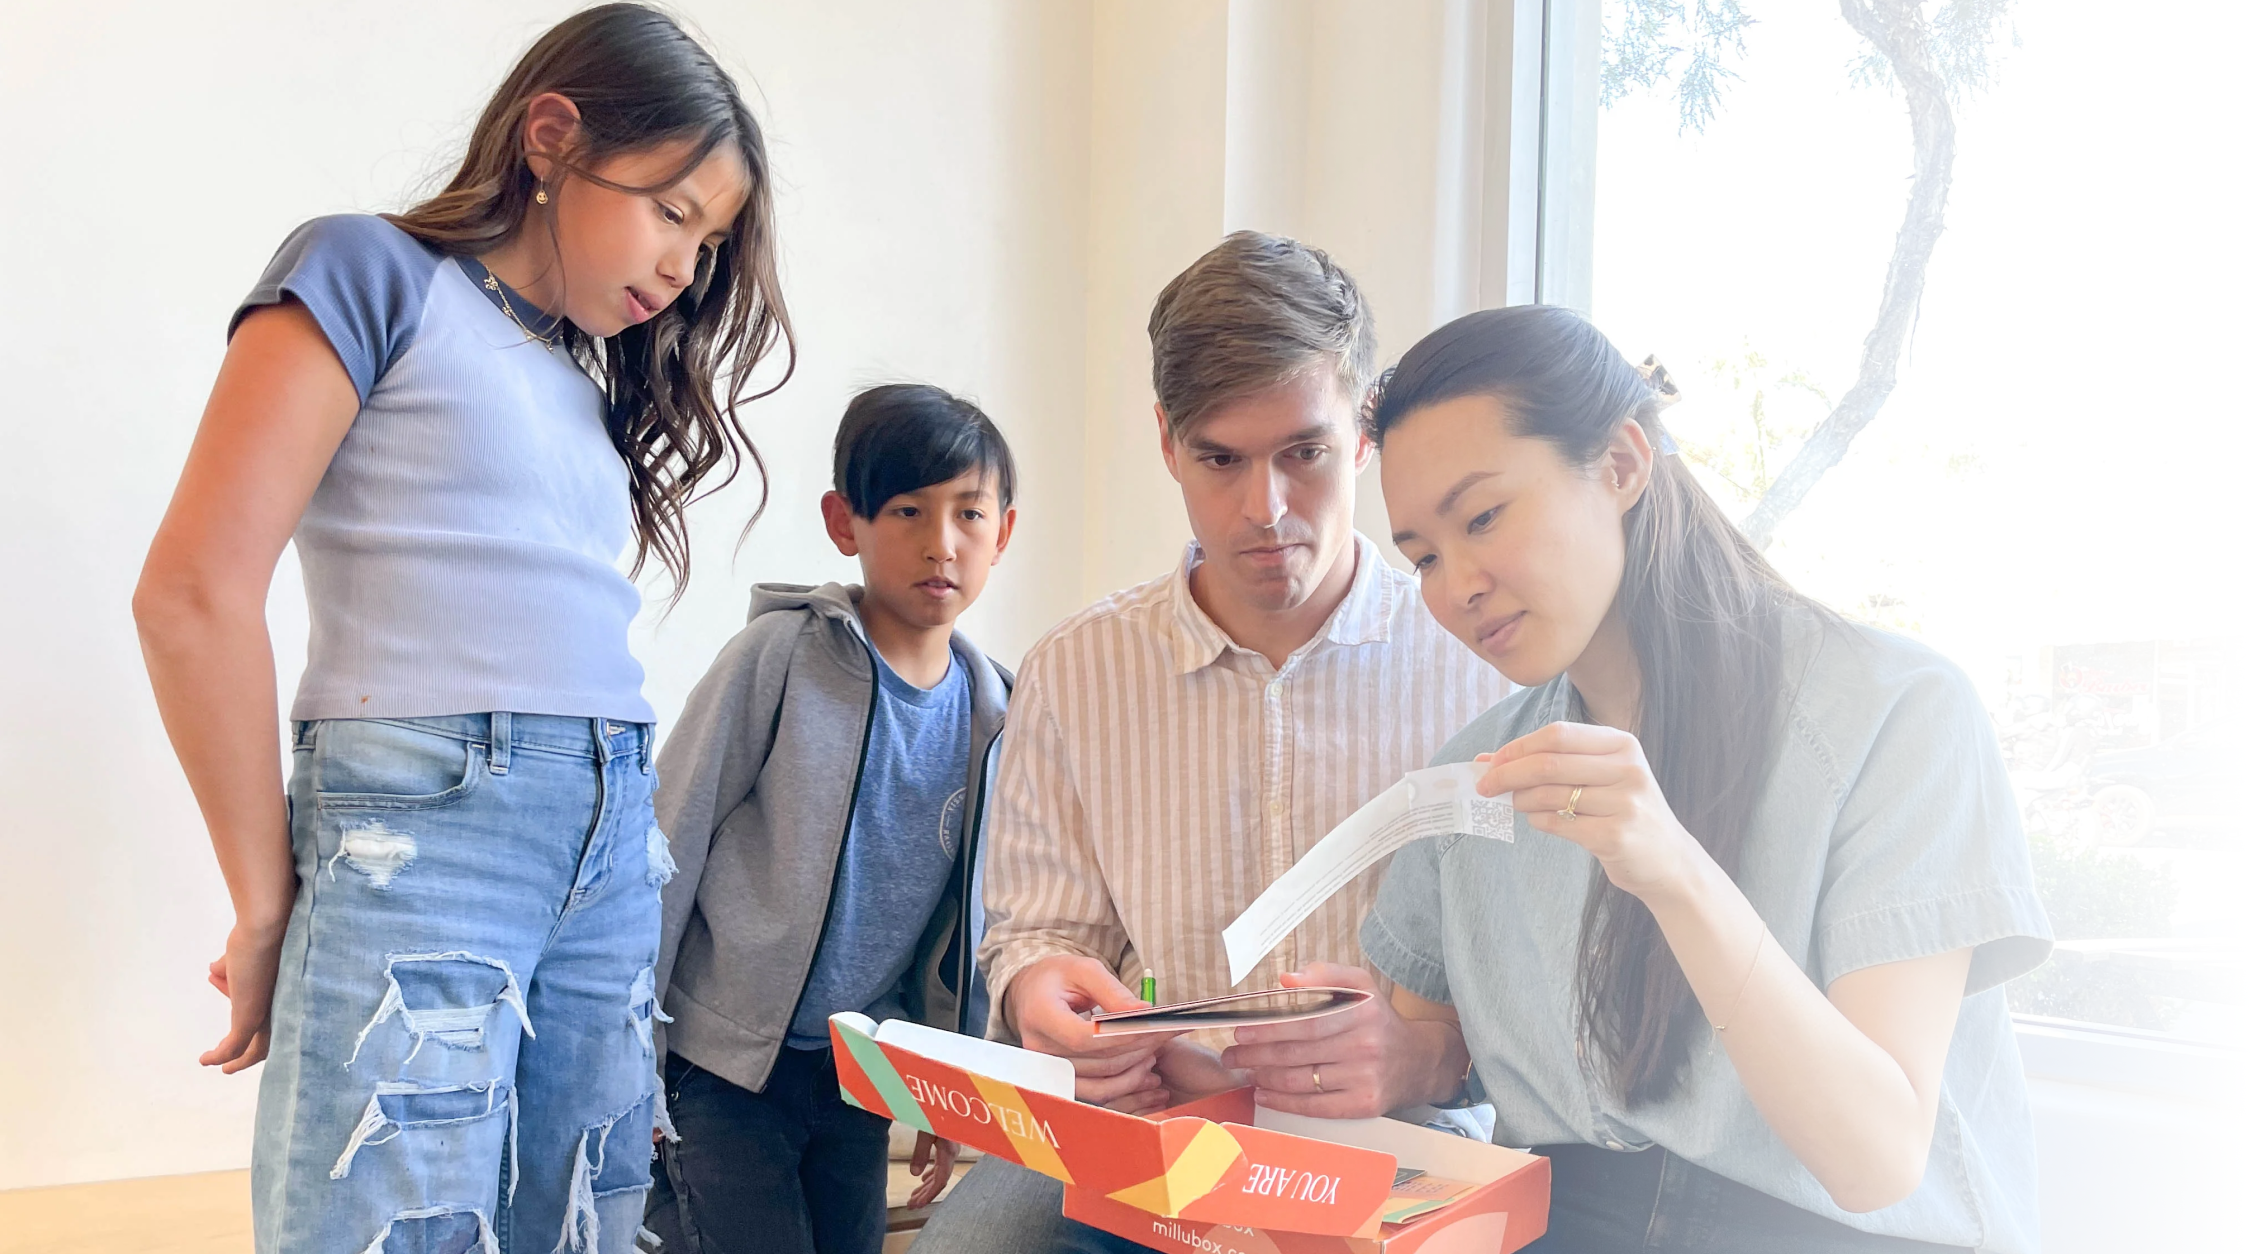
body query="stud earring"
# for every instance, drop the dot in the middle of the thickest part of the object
(540, 195)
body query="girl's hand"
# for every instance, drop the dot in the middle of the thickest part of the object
(933, 1162)
(1619, 814)
(246, 974)
(281, 407)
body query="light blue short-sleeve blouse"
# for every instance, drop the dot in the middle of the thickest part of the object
(1886, 831)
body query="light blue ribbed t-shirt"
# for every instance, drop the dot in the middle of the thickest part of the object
(461, 552)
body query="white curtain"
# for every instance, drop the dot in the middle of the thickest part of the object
(1400, 137)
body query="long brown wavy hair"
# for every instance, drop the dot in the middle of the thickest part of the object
(677, 383)
(1704, 612)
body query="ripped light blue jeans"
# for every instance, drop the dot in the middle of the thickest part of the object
(460, 1058)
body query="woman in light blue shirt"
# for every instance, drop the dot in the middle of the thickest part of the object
(1738, 974)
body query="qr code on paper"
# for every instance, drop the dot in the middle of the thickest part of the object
(1493, 819)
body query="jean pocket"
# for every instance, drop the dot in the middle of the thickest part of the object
(377, 764)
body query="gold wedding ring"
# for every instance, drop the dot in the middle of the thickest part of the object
(1570, 807)
(1316, 1081)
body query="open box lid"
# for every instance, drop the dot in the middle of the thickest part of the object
(1220, 1160)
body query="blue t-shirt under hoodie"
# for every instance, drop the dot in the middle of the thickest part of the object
(905, 834)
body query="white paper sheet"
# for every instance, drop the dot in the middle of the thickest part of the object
(1436, 801)
(1012, 1064)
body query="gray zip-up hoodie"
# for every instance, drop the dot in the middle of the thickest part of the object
(755, 788)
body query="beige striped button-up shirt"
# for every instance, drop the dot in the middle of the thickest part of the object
(1156, 776)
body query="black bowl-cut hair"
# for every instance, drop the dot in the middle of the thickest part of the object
(903, 437)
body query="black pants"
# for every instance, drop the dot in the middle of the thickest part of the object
(791, 1170)
(1655, 1202)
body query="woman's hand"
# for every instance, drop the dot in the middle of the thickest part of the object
(1592, 786)
(1189, 1071)
(246, 974)
(1353, 1064)
(933, 1162)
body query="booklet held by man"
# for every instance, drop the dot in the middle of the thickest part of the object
(1235, 1010)
(1435, 801)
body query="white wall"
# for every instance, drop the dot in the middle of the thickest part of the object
(985, 194)
(2135, 1138)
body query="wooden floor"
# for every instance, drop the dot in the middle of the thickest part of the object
(200, 1214)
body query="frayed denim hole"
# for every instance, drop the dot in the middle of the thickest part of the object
(446, 996)
(596, 1173)
(443, 1105)
(582, 1224)
(431, 985)
(436, 1230)
(374, 850)
(450, 1000)
(643, 1010)
(401, 1107)
(619, 1170)
(661, 867)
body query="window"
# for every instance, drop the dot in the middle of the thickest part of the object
(2050, 492)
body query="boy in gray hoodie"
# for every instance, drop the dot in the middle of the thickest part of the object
(823, 791)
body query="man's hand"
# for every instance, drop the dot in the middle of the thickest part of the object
(933, 1162)
(1354, 1064)
(1047, 1002)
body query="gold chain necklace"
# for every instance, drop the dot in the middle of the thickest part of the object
(492, 284)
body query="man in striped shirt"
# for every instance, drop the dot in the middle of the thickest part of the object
(1175, 747)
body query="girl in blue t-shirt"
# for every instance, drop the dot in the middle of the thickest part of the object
(445, 926)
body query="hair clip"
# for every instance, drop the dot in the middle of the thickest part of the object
(1659, 381)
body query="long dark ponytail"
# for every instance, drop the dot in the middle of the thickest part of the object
(1703, 611)
(676, 383)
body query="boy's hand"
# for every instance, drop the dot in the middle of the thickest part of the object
(933, 1162)
(1048, 1001)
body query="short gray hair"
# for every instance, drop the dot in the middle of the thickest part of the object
(1256, 311)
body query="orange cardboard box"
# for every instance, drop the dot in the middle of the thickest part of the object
(1217, 1176)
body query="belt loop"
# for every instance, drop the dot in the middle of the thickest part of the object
(503, 734)
(648, 739)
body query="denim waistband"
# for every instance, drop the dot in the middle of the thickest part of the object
(501, 732)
